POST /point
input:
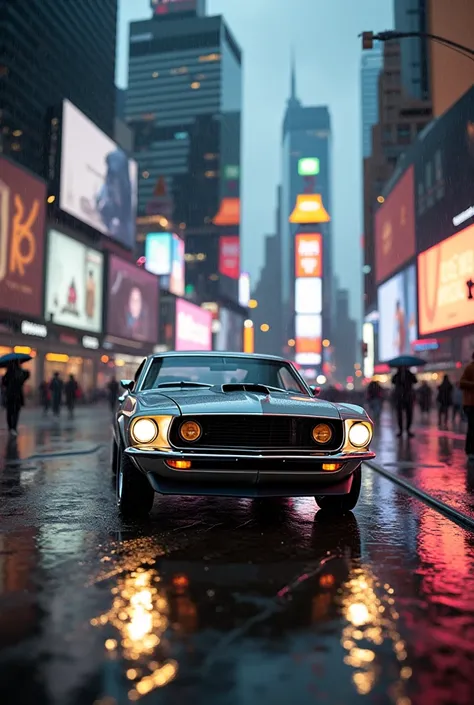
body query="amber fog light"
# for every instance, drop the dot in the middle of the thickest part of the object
(331, 467)
(179, 464)
(322, 433)
(190, 431)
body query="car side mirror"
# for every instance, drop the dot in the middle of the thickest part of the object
(127, 384)
(316, 391)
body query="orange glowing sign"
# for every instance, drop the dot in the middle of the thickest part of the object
(309, 209)
(308, 255)
(443, 273)
(229, 212)
(308, 345)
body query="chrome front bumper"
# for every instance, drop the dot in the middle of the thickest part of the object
(248, 473)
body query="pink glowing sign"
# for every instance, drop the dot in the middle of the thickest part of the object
(193, 327)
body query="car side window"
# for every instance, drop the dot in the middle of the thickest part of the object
(287, 380)
(139, 371)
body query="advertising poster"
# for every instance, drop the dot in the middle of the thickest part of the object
(176, 284)
(98, 180)
(22, 216)
(158, 253)
(132, 311)
(308, 255)
(193, 328)
(230, 334)
(443, 274)
(308, 295)
(395, 227)
(74, 284)
(398, 325)
(229, 256)
(308, 333)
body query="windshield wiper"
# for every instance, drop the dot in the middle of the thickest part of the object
(184, 383)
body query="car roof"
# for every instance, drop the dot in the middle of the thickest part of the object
(216, 353)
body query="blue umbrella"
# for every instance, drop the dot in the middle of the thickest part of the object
(12, 357)
(406, 361)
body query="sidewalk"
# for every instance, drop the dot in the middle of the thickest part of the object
(434, 461)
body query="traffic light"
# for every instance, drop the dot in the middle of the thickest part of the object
(367, 40)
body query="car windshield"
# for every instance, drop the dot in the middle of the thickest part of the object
(215, 370)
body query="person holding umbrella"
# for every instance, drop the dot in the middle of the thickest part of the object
(404, 395)
(12, 388)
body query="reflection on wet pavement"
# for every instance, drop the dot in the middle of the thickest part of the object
(226, 601)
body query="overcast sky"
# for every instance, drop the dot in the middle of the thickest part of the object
(328, 53)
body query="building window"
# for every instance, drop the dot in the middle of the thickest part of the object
(210, 57)
(210, 174)
(195, 85)
(210, 156)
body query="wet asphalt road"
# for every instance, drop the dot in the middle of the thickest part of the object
(221, 601)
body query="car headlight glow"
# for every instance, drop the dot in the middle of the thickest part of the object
(190, 431)
(359, 435)
(322, 433)
(145, 430)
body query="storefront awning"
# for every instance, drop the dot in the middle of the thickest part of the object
(229, 212)
(309, 209)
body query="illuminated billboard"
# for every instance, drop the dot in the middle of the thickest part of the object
(164, 256)
(309, 295)
(398, 325)
(229, 256)
(308, 334)
(395, 227)
(244, 289)
(308, 166)
(308, 255)
(443, 273)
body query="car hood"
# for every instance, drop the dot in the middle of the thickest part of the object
(215, 401)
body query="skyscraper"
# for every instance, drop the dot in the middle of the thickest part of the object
(51, 50)
(184, 104)
(371, 66)
(306, 165)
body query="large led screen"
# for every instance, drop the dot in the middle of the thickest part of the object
(74, 284)
(193, 327)
(98, 180)
(229, 337)
(132, 311)
(308, 255)
(443, 273)
(164, 256)
(22, 215)
(308, 295)
(398, 325)
(395, 227)
(308, 333)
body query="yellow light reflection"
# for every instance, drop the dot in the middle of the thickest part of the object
(139, 613)
(371, 621)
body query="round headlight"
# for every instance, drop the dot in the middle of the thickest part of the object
(144, 430)
(322, 433)
(190, 431)
(359, 435)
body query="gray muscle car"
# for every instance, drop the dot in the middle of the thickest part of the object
(234, 424)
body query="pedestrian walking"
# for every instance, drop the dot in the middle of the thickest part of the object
(445, 401)
(467, 385)
(374, 396)
(56, 389)
(70, 392)
(425, 399)
(113, 390)
(404, 397)
(12, 387)
(457, 404)
(45, 396)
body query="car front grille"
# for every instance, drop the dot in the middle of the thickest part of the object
(250, 432)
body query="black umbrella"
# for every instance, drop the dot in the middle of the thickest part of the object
(14, 357)
(406, 361)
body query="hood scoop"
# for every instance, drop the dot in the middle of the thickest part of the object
(241, 387)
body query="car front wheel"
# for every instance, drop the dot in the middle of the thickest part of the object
(340, 504)
(134, 494)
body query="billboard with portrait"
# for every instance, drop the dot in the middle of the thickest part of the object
(398, 324)
(308, 255)
(132, 310)
(193, 327)
(98, 183)
(444, 171)
(22, 216)
(308, 295)
(74, 284)
(395, 227)
(229, 336)
(443, 273)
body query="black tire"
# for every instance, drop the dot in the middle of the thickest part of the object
(340, 504)
(134, 493)
(114, 457)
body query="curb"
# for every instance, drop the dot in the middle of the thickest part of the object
(458, 517)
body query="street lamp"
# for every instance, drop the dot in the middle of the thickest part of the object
(326, 343)
(368, 39)
(253, 303)
(292, 342)
(264, 327)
